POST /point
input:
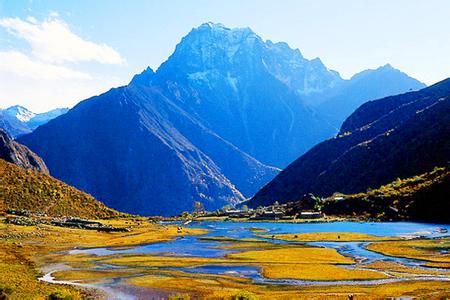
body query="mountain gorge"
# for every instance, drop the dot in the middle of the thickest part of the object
(395, 137)
(213, 124)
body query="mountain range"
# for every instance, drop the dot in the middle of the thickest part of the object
(17, 120)
(395, 137)
(362, 87)
(214, 123)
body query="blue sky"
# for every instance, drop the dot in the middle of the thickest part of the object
(56, 53)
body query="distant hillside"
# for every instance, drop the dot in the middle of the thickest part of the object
(41, 193)
(362, 87)
(17, 120)
(20, 155)
(419, 198)
(394, 137)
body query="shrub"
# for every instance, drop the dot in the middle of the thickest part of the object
(59, 295)
(5, 291)
(244, 295)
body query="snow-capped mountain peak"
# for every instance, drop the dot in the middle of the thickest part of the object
(18, 120)
(21, 113)
(212, 53)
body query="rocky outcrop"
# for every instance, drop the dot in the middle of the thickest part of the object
(18, 154)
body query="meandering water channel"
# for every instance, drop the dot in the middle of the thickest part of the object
(198, 246)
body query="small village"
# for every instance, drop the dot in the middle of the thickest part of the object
(306, 208)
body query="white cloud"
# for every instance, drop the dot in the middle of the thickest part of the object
(52, 41)
(45, 94)
(57, 70)
(19, 64)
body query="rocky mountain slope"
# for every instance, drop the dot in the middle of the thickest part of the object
(248, 91)
(394, 137)
(20, 155)
(17, 120)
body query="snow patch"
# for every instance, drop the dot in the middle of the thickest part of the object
(21, 113)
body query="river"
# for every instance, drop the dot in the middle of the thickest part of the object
(198, 246)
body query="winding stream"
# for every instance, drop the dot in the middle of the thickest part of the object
(196, 246)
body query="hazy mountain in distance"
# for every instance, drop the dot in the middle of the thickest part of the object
(17, 120)
(362, 87)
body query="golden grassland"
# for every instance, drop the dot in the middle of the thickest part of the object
(303, 255)
(257, 229)
(328, 237)
(324, 272)
(423, 249)
(395, 268)
(444, 265)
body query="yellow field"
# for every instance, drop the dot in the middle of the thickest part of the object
(302, 255)
(395, 268)
(424, 249)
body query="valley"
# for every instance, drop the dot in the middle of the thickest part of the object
(232, 166)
